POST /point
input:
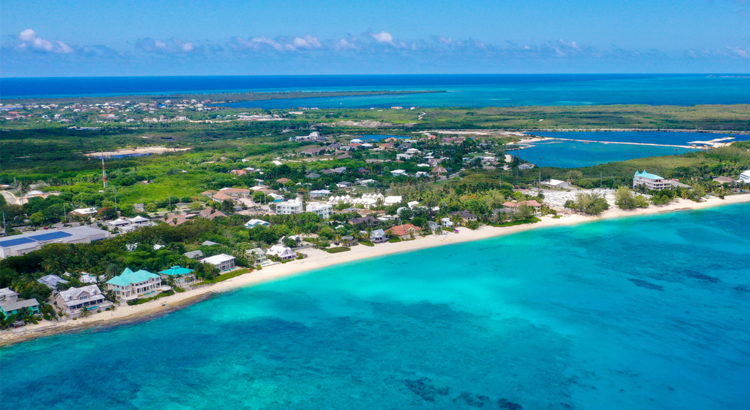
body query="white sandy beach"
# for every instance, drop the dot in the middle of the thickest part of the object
(318, 259)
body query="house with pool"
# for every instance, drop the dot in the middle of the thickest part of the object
(74, 300)
(132, 285)
(181, 276)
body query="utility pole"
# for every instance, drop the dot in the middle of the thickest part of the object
(104, 172)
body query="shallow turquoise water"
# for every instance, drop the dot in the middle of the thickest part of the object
(575, 154)
(464, 90)
(638, 313)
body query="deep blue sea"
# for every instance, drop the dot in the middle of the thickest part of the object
(463, 90)
(637, 313)
(574, 154)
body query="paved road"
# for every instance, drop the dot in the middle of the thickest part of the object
(11, 199)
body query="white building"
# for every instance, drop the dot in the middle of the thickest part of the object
(398, 172)
(745, 177)
(322, 209)
(651, 181)
(290, 207)
(8, 296)
(222, 261)
(283, 252)
(256, 222)
(257, 256)
(556, 183)
(132, 285)
(392, 200)
(73, 300)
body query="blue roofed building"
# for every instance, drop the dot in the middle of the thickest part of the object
(132, 285)
(24, 243)
(651, 181)
(180, 275)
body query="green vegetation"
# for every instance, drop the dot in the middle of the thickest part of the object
(589, 203)
(225, 276)
(625, 199)
(338, 249)
(524, 221)
(134, 302)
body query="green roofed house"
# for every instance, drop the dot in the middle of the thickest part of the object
(181, 276)
(651, 181)
(132, 285)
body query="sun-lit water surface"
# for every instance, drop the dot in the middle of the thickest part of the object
(638, 313)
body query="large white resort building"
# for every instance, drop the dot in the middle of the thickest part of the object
(320, 208)
(651, 181)
(290, 207)
(745, 177)
(132, 285)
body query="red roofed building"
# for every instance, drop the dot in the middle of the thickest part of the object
(405, 231)
(515, 205)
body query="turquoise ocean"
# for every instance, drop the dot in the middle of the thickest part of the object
(463, 90)
(645, 312)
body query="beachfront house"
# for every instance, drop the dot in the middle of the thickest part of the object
(651, 181)
(74, 300)
(132, 285)
(446, 223)
(181, 276)
(256, 256)
(348, 241)
(282, 252)
(378, 236)
(222, 261)
(406, 231)
(465, 216)
(13, 308)
(515, 206)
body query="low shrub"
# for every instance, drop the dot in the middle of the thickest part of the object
(338, 249)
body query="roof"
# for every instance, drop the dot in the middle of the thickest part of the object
(74, 293)
(9, 307)
(377, 233)
(209, 243)
(194, 254)
(402, 230)
(217, 259)
(646, 175)
(128, 277)
(176, 271)
(51, 280)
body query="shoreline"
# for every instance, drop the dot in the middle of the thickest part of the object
(318, 259)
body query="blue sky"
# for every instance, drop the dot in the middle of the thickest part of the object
(192, 37)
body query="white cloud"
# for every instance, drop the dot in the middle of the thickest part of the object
(344, 45)
(307, 42)
(30, 41)
(744, 53)
(171, 46)
(383, 37)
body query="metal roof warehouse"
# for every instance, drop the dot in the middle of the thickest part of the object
(31, 241)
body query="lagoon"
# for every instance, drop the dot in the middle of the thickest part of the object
(576, 154)
(645, 312)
